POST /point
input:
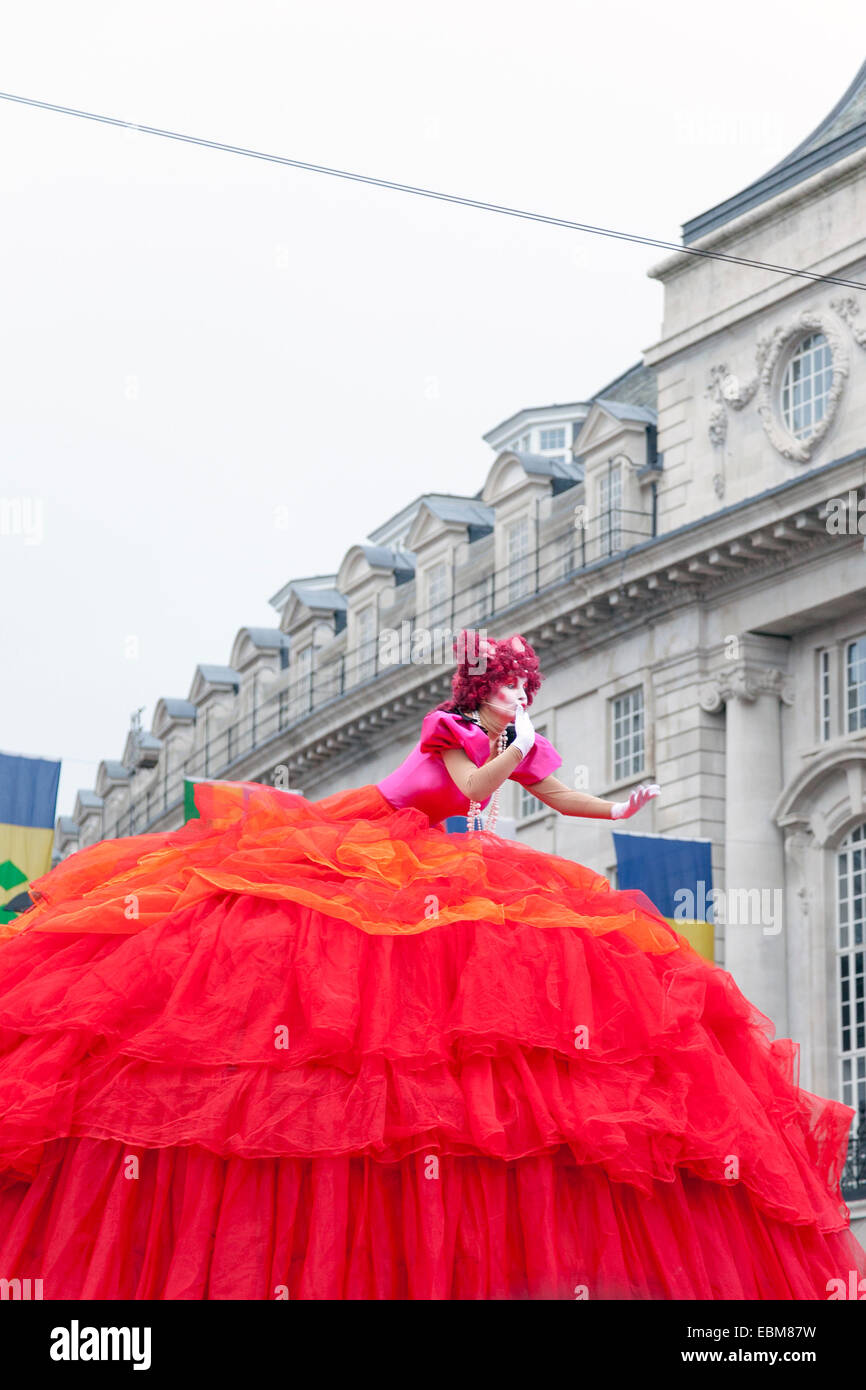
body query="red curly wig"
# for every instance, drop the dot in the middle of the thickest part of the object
(484, 664)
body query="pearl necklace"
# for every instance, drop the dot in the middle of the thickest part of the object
(474, 817)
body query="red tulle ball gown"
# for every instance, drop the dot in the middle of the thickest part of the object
(327, 1050)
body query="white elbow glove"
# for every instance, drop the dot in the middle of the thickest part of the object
(621, 810)
(524, 731)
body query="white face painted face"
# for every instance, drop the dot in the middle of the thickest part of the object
(506, 698)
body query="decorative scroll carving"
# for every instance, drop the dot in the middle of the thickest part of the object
(718, 426)
(798, 842)
(847, 308)
(725, 390)
(745, 683)
(710, 697)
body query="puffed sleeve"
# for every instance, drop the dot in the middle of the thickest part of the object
(540, 761)
(441, 730)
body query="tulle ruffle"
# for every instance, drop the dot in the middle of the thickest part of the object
(290, 997)
(351, 856)
(103, 1221)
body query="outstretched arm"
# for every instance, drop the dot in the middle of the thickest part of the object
(574, 803)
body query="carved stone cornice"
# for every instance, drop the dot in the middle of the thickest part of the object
(745, 683)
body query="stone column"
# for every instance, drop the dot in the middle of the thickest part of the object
(807, 969)
(753, 900)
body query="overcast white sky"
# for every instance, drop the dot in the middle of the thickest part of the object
(192, 341)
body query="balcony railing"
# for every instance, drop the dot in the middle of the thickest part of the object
(854, 1173)
(559, 559)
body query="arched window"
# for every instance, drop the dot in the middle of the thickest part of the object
(851, 908)
(806, 385)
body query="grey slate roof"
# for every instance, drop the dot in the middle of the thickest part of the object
(637, 386)
(90, 799)
(116, 769)
(267, 637)
(382, 556)
(544, 467)
(330, 600)
(623, 410)
(465, 509)
(448, 506)
(179, 709)
(317, 583)
(67, 826)
(219, 675)
(842, 131)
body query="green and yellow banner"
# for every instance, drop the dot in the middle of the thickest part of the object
(28, 802)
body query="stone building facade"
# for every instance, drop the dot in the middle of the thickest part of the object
(690, 567)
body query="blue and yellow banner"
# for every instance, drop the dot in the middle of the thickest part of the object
(28, 802)
(677, 876)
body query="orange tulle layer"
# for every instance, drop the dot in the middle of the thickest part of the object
(350, 856)
(287, 1004)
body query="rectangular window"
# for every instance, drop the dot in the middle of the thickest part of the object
(366, 630)
(476, 603)
(851, 910)
(559, 560)
(303, 681)
(610, 509)
(553, 438)
(627, 730)
(328, 681)
(519, 578)
(527, 804)
(855, 684)
(437, 593)
(824, 665)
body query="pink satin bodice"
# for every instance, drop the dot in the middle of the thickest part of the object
(423, 782)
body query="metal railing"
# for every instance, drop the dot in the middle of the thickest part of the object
(853, 1181)
(569, 551)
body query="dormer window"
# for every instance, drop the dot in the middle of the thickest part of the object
(553, 438)
(609, 497)
(304, 680)
(518, 561)
(806, 385)
(366, 630)
(437, 592)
